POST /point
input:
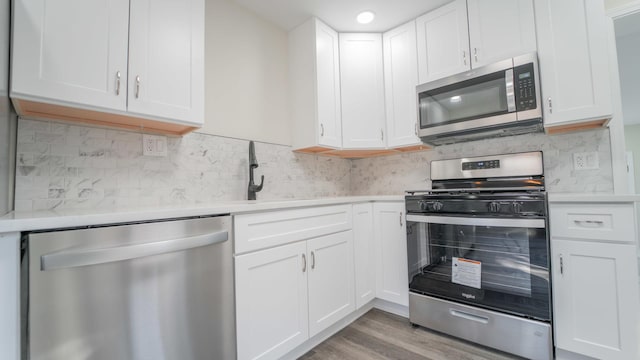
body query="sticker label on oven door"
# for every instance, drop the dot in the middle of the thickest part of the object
(466, 272)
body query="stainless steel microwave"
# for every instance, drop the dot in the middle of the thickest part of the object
(494, 100)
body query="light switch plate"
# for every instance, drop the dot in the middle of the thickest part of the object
(586, 161)
(154, 145)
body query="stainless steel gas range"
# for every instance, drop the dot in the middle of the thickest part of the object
(478, 253)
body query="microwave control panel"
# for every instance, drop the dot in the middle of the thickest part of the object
(525, 87)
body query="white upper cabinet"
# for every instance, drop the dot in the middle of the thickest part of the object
(573, 60)
(314, 75)
(500, 29)
(443, 42)
(362, 87)
(124, 63)
(401, 79)
(468, 34)
(166, 59)
(71, 52)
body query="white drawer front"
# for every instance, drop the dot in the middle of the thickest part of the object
(610, 222)
(268, 229)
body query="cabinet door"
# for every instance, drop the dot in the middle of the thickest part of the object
(362, 86)
(328, 86)
(364, 253)
(331, 291)
(166, 60)
(443, 42)
(573, 59)
(71, 52)
(400, 80)
(595, 298)
(392, 279)
(271, 301)
(500, 29)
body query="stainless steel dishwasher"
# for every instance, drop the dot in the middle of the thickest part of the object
(153, 290)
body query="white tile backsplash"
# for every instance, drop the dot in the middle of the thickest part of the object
(62, 165)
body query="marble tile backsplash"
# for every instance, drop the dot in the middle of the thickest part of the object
(397, 173)
(61, 165)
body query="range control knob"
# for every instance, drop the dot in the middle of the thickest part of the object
(494, 207)
(437, 206)
(516, 207)
(422, 205)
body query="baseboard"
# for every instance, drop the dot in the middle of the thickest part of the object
(390, 307)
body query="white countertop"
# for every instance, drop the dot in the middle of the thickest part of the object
(57, 219)
(592, 198)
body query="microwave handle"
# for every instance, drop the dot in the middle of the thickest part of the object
(509, 85)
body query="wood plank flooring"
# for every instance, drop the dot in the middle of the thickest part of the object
(380, 335)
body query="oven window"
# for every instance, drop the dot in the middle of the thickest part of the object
(503, 268)
(475, 98)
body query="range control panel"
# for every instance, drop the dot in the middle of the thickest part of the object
(481, 165)
(525, 87)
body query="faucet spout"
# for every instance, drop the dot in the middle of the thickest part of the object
(252, 188)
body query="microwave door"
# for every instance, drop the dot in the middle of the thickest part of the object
(487, 96)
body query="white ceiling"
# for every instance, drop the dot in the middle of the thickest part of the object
(341, 14)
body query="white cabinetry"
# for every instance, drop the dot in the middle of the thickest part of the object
(467, 34)
(390, 234)
(110, 62)
(289, 293)
(573, 59)
(401, 79)
(330, 273)
(166, 59)
(271, 301)
(314, 75)
(595, 280)
(500, 29)
(443, 42)
(364, 253)
(362, 88)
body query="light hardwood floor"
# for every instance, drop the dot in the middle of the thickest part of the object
(380, 335)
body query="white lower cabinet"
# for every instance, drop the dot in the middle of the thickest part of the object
(595, 280)
(330, 280)
(390, 235)
(287, 294)
(364, 254)
(271, 301)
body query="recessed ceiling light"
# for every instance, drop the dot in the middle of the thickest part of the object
(365, 17)
(455, 99)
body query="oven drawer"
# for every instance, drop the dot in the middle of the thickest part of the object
(593, 221)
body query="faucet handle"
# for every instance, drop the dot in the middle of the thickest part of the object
(259, 187)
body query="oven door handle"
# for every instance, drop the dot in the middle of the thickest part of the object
(474, 221)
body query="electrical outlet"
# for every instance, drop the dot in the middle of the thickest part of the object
(154, 145)
(586, 161)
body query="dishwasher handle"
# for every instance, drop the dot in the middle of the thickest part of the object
(76, 258)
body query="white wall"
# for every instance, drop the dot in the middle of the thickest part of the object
(628, 59)
(246, 75)
(632, 137)
(612, 4)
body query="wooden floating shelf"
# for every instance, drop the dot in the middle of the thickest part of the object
(360, 154)
(585, 125)
(43, 111)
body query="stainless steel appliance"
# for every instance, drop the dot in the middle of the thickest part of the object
(156, 290)
(478, 253)
(494, 100)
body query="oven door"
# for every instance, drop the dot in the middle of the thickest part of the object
(495, 263)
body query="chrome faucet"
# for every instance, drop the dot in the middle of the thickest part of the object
(253, 163)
